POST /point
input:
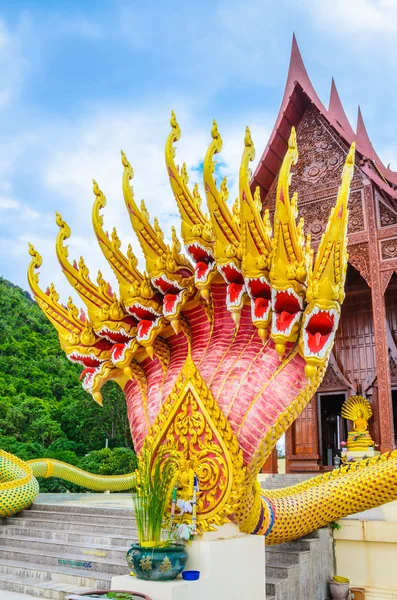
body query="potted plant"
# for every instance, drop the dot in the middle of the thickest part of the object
(158, 556)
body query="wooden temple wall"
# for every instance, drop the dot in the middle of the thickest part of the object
(360, 361)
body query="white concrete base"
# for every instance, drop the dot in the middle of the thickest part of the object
(230, 569)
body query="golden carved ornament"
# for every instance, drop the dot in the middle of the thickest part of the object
(191, 425)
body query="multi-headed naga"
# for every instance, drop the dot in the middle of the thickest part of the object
(219, 350)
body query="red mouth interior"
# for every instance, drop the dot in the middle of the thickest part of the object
(115, 336)
(171, 294)
(145, 318)
(319, 328)
(235, 282)
(85, 371)
(261, 294)
(87, 361)
(201, 260)
(286, 308)
(117, 351)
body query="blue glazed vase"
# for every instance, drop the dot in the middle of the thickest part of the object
(157, 564)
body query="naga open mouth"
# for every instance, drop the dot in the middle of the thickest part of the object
(89, 360)
(260, 294)
(120, 336)
(203, 261)
(92, 366)
(119, 351)
(147, 318)
(88, 376)
(319, 330)
(235, 285)
(287, 310)
(173, 294)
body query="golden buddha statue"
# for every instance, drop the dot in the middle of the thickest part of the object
(358, 410)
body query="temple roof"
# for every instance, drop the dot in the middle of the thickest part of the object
(299, 94)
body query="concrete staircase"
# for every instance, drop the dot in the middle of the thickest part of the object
(50, 551)
(78, 542)
(298, 570)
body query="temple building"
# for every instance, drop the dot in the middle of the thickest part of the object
(364, 358)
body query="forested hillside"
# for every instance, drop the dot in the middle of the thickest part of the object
(43, 409)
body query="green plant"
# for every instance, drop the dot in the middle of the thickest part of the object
(335, 526)
(152, 495)
(119, 596)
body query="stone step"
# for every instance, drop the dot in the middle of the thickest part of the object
(280, 571)
(37, 589)
(91, 510)
(41, 573)
(276, 556)
(273, 587)
(115, 553)
(70, 560)
(71, 526)
(78, 517)
(68, 537)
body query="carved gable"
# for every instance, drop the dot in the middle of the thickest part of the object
(387, 216)
(317, 175)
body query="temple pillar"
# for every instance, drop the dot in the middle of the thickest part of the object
(384, 401)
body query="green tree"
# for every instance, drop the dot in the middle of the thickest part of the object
(43, 409)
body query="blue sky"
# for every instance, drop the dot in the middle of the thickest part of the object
(79, 80)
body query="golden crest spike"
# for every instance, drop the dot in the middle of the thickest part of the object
(193, 220)
(150, 351)
(125, 270)
(236, 318)
(176, 131)
(98, 398)
(153, 247)
(205, 294)
(256, 244)
(94, 297)
(128, 372)
(65, 320)
(176, 325)
(226, 231)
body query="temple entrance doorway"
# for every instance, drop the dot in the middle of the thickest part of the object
(332, 427)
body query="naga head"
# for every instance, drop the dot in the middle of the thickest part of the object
(197, 234)
(76, 334)
(256, 243)
(226, 227)
(326, 280)
(105, 311)
(141, 301)
(290, 258)
(171, 274)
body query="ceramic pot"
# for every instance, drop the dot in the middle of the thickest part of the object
(157, 564)
(339, 591)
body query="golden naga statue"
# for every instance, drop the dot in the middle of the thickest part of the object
(218, 351)
(358, 410)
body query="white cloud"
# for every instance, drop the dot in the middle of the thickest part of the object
(8, 203)
(364, 16)
(91, 148)
(13, 64)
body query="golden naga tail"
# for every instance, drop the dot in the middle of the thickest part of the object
(218, 353)
(19, 487)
